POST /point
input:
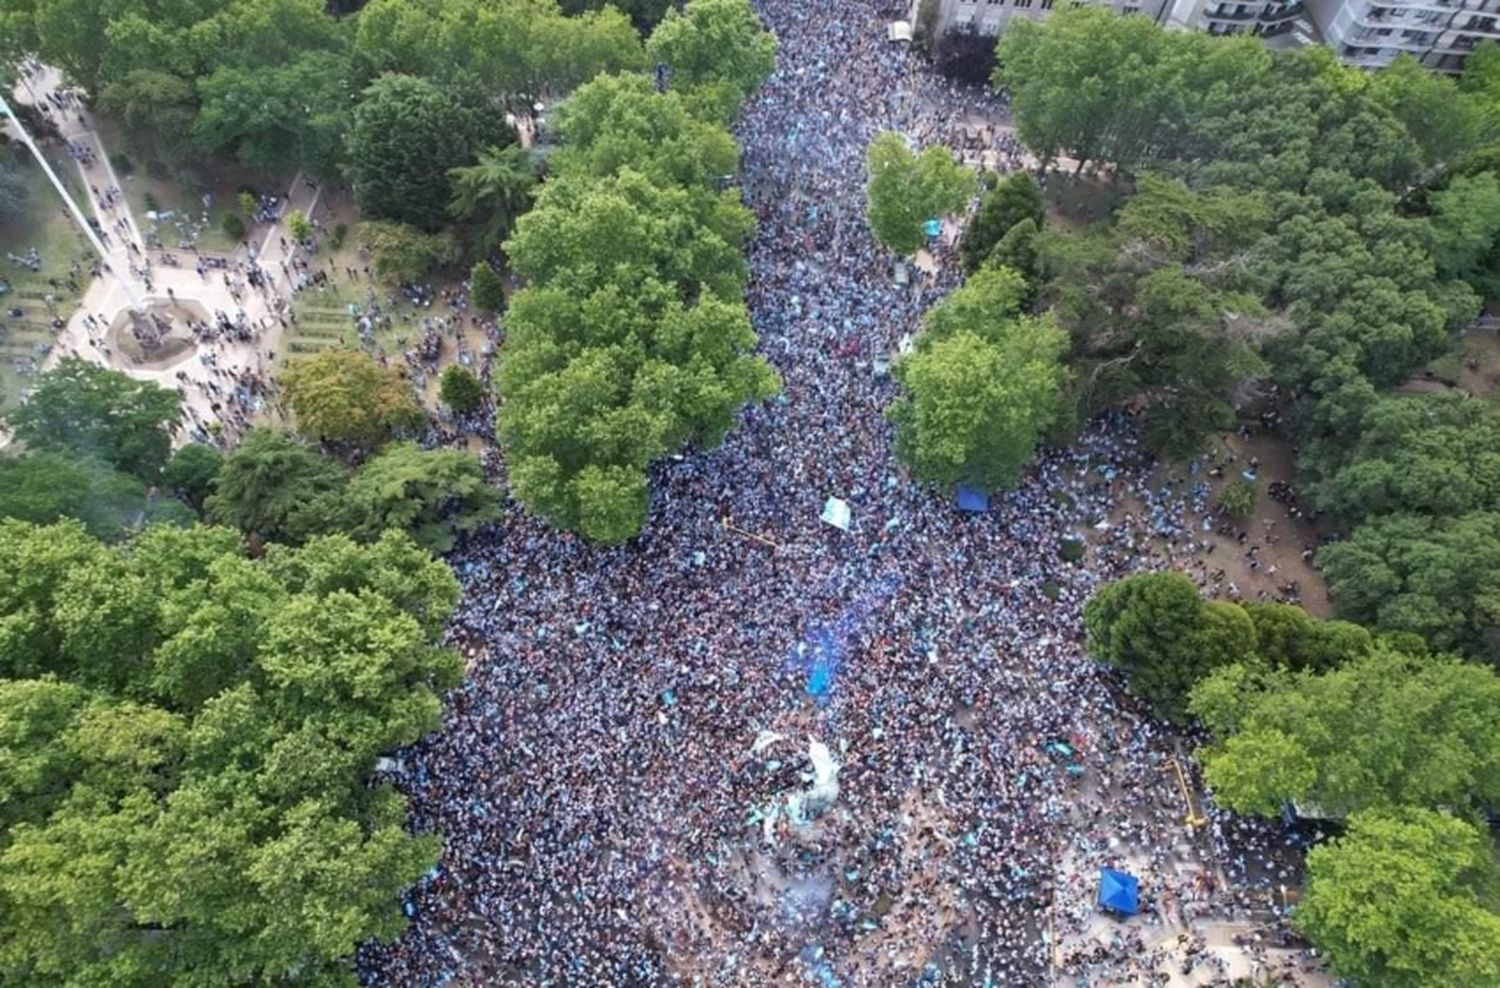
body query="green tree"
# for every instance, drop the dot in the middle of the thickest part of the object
(1015, 199)
(582, 423)
(714, 43)
(192, 472)
(526, 49)
(1287, 638)
(1155, 627)
(1405, 898)
(187, 795)
(486, 289)
(1161, 309)
(298, 225)
(431, 495)
(493, 192)
(460, 390)
(45, 487)
(1436, 578)
(275, 486)
(624, 230)
(408, 136)
(1017, 250)
(1466, 231)
(1444, 121)
(1237, 498)
(1383, 729)
(1435, 455)
(157, 108)
(980, 392)
(617, 121)
(404, 253)
(82, 408)
(279, 116)
(345, 395)
(906, 190)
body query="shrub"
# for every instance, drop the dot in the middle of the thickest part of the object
(460, 390)
(152, 206)
(1237, 498)
(122, 163)
(1071, 550)
(234, 227)
(298, 225)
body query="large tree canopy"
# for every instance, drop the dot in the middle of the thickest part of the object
(1437, 578)
(408, 136)
(1161, 308)
(1406, 899)
(1157, 629)
(631, 338)
(1383, 729)
(981, 386)
(907, 189)
(86, 410)
(345, 395)
(714, 45)
(188, 740)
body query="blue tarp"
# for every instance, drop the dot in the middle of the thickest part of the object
(932, 227)
(1119, 892)
(969, 499)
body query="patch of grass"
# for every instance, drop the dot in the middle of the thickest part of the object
(25, 339)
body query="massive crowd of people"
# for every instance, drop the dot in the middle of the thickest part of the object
(606, 781)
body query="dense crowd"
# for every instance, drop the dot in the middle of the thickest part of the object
(602, 779)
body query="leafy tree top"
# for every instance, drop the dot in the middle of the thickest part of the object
(189, 737)
(713, 42)
(907, 189)
(1407, 898)
(90, 411)
(346, 395)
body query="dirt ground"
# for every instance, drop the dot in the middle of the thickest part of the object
(1280, 540)
(1473, 368)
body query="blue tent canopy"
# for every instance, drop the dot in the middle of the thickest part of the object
(932, 227)
(969, 499)
(1119, 892)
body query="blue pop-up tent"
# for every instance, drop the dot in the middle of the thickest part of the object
(968, 499)
(1119, 892)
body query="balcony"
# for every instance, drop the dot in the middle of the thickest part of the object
(1231, 14)
(1279, 12)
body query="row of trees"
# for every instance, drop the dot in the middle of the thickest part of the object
(278, 83)
(98, 449)
(631, 337)
(982, 382)
(1403, 743)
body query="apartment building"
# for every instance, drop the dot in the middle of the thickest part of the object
(1367, 33)
(1438, 33)
(1214, 16)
